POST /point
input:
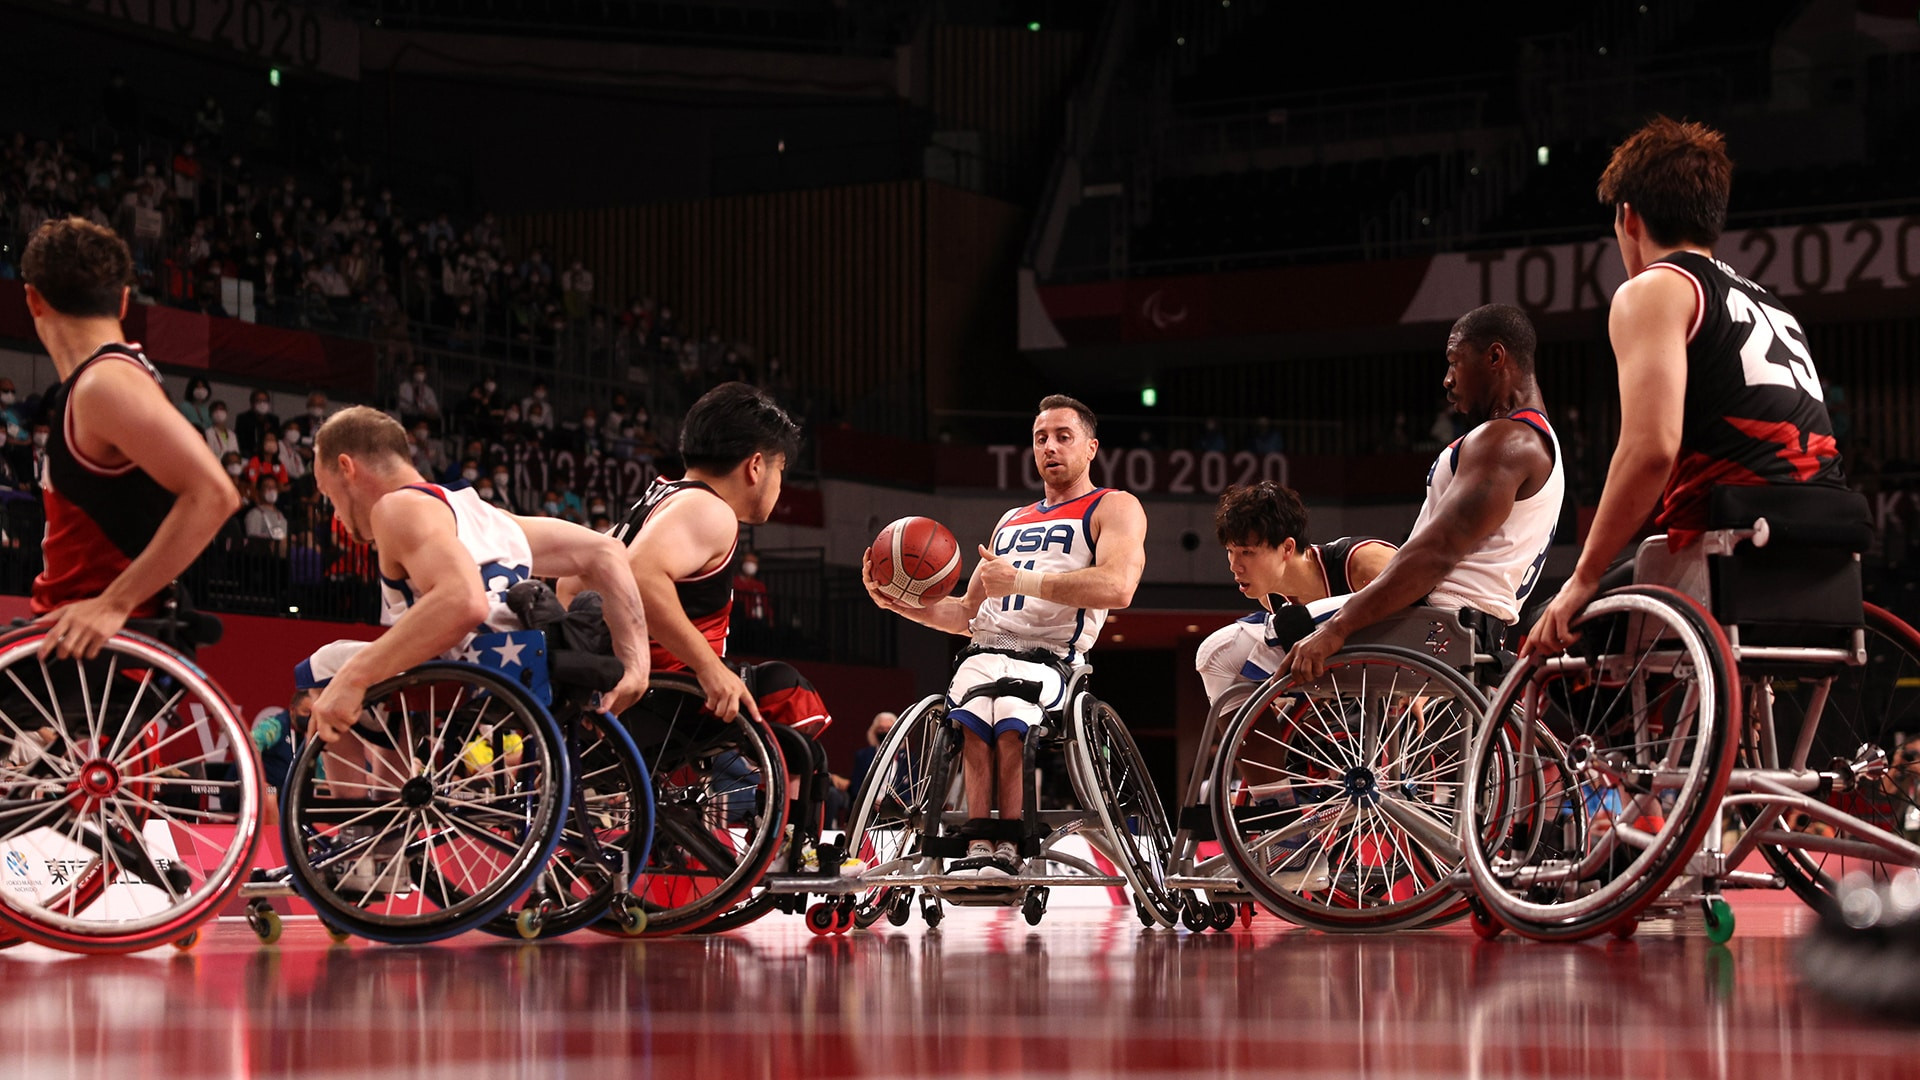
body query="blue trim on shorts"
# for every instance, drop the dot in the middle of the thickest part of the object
(1250, 670)
(979, 727)
(303, 678)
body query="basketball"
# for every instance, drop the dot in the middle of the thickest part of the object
(916, 561)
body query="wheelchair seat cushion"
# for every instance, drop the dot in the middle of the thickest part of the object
(1799, 515)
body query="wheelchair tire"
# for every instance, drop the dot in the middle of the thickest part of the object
(720, 805)
(99, 762)
(892, 807)
(446, 844)
(1113, 783)
(606, 833)
(1663, 656)
(1865, 707)
(1337, 801)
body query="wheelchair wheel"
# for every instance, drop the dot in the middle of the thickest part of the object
(720, 805)
(890, 812)
(605, 833)
(1871, 711)
(434, 813)
(805, 761)
(1337, 802)
(1113, 783)
(131, 802)
(1643, 709)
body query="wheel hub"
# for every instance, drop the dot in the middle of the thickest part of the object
(1360, 783)
(417, 793)
(97, 780)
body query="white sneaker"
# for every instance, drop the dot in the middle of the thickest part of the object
(979, 856)
(1006, 858)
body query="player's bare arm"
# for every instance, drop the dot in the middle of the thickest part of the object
(1648, 324)
(686, 537)
(1502, 465)
(1368, 561)
(418, 543)
(1118, 528)
(563, 549)
(149, 432)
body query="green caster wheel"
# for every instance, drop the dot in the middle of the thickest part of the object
(1719, 920)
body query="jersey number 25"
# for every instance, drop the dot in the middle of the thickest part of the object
(1775, 352)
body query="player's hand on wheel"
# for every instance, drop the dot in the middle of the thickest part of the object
(726, 693)
(631, 688)
(1307, 660)
(1554, 630)
(81, 628)
(336, 709)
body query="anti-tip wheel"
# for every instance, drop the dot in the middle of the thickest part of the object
(900, 911)
(1485, 926)
(630, 914)
(822, 919)
(1719, 915)
(192, 938)
(266, 924)
(335, 934)
(529, 923)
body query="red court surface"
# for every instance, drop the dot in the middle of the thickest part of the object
(1088, 993)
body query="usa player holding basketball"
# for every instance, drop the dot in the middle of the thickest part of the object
(1034, 606)
(1717, 385)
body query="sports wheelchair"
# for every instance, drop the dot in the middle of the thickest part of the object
(1334, 804)
(459, 794)
(910, 815)
(129, 795)
(1740, 678)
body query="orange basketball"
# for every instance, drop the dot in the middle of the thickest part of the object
(915, 561)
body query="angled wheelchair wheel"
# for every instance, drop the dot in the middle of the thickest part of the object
(1641, 711)
(891, 810)
(1114, 785)
(606, 832)
(1867, 717)
(434, 813)
(720, 805)
(1337, 801)
(131, 799)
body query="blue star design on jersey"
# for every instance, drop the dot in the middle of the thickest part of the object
(510, 653)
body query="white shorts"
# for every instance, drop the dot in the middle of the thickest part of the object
(1240, 651)
(988, 717)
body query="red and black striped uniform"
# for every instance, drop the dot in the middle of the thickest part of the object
(706, 598)
(99, 517)
(1755, 411)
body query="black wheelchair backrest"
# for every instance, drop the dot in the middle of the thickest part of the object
(1808, 574)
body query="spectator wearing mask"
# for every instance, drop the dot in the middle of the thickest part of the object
(317, 411)
(266, 465)
(490, 494)
(39, 436)
(418, 403)
(751, 601)
(586, 437)
(429, 453)
(503, 495)
(220, 438)
(535, 409)
(265, 521)
(293, 457)
(197, 404)
(277, 736)
(465, 476)
(256, 424)
(551, 504)
(236, 468)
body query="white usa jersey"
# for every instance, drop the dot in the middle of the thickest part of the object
(501, 555)
(1050, 540)
(1496, 576)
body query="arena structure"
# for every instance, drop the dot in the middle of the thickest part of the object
(1238, 232)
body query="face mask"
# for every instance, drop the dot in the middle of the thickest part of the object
(39, 438)
(589, 423)
(261, 407)
(269, 497)
(316, 411)
(749, 568)
(233, 469)
(598, 508)
(485, 493)
(500, 479)
(219, 416)
(513, 416)
(539, 395)
(199, 393)
(553, 508)
(6, 397)
(489, 386)
(419, 376)
(292, 436)
(421, 437)
(469, 475)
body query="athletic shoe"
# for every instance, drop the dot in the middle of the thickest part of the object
(1006, 858)
(979, 855)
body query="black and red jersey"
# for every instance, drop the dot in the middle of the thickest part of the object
(99, 517)
(1755, 412)
(706, 598)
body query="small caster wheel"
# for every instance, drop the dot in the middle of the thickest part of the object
(1719, 920)
(1196, 916)
(1484, 926)
(1246, 914)
(1140, 909)
(1034, 907)
(187, 942)
(842, 918)
(529, 923)
(900, 910)
(822, 918)
(930, 912)
(1624, 931)
(1223, 916)
(266, 924)
(630, 914)
(335, 934)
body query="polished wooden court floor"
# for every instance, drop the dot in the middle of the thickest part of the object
(1088, 993)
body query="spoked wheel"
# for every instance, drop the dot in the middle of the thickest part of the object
(127, 815)
(1113, 783)
(720, 805)
(890, 810)
(1643, 706)
(605, 834)
(432, 814)
(1338, 801)
(1871, 718)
